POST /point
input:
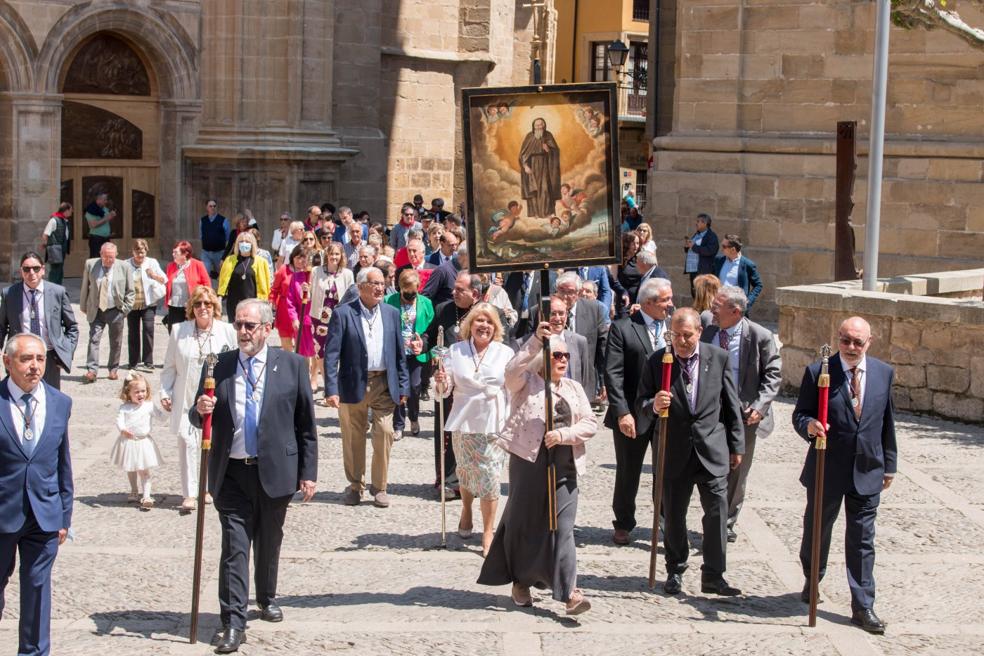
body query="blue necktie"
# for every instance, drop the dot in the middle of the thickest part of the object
(29, 444)
(35, 318)
(252, 410)
(583, 272)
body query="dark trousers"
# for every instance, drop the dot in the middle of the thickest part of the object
(450, 464)
(629, 456)
(738, 476)
(52, 370)
(56, 272)
(248, 516)
(859, 545)
(713, 492)
(95, 243)
(37, 554)
(175, 315)
(412, 407)
(136, 320)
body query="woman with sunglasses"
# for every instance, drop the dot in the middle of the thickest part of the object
(190, 343)
(523, 552)
(244, 274)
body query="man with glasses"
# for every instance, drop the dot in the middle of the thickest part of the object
(365, 369)
(861, 461)
(44, 309)
(408, 221)
(585, 319)
(214, 233)
(265, 448)
(280, 233)
(107, 297)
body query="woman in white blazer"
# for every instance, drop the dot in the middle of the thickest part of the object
(148, 286)
(189, 344)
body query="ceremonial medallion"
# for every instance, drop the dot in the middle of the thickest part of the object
(28, 434)
(690, 388)
(855, 401)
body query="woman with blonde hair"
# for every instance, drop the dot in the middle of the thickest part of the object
(190, 343)
(244, 274)
(646, 243)
(326, 286)
(474, 372)
(706, 287)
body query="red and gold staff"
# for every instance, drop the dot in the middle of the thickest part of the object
(209, 386)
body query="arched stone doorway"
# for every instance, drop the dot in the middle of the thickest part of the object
(110, 141)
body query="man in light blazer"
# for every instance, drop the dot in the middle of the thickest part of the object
(861, 461)
(107, 296)
(757, 370)
(705, 441)
(735, 269)
(365, 368)
(36, 479)
(38, 305)
(264, 449)
(630, 343)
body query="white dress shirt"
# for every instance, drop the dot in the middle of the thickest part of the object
(656, 330)
(18, 407)
(372, 329)
(238, 450)
(729, 271)
(26, 313)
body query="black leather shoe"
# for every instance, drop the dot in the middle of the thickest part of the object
(718, 587)
(271, 613)
(673, 585)
(231, 639)
(805, 595)
(217, 638)
(868, 621)
(732, 536)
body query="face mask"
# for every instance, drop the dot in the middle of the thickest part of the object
(409, 296)
(245, 247)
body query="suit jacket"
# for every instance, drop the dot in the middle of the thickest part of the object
(748, 276)
(286, 441)
(59, 319)
(513, 285)
(435, 259)
(42, 482)
(625, 358)
(714, 430)
(655, 272)
(122, 288)
(440, 284)
(859, 453)
(705, 252)
(347, 361)
(759, 370)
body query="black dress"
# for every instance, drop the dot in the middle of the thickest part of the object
(241, 285)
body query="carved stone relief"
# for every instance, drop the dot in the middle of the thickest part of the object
(106, 64)
(92, 133)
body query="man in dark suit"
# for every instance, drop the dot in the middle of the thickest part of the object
(648, 269)
(439, 287)
(449, 242)
(599, 276)
(735, 269)
(586, 319)
(861, 460)
(700, 249)
(757, 370)
(630, 343)
(264, 449)
(365, 368)
(577, 345)
(36, 479)
(523, 290)
(705, 441)
(44, 309)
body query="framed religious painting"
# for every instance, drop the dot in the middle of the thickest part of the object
(541, 176)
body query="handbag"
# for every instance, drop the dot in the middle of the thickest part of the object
(54, 254)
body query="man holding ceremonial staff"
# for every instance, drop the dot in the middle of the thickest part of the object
(706, 440)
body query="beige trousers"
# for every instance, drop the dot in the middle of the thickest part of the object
(353, 417)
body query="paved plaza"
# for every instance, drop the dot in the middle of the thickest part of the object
(362, 580)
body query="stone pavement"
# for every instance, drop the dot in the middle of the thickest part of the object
(369, 581)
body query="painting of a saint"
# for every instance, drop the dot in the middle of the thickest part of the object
(541, 185)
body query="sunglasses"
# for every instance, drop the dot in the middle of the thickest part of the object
(561, 355)
(308, 240)
(204, 304)
(248, 326)
(409, 214)
(856, 343)
(31, 269)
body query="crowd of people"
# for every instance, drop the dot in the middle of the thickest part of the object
(381, 320)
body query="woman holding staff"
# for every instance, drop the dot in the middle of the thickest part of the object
(524, 552)
(475, 373)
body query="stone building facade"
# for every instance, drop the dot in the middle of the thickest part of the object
(264, 104)
(749, 94)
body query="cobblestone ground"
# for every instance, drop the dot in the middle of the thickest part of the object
(368, 581)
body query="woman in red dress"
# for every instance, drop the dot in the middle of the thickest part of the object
(278, 298)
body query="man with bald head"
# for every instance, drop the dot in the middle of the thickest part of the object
(705, 441)
(106, 298)
(860, 462)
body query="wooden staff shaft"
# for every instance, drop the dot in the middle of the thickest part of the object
(659, 463)
(440, 436)
(548, 403)
(200, 518)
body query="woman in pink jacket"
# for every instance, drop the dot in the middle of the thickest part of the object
(522, 552)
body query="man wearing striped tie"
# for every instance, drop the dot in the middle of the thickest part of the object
(106, 298)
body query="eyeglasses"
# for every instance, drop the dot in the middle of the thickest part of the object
(284, 219)
(374, 284)
(202, 304)
(409, 213)
(856, 343)
(31, 269)
(561, 355)
(248, 326)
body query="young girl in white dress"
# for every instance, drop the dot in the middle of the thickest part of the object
(135, 450)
